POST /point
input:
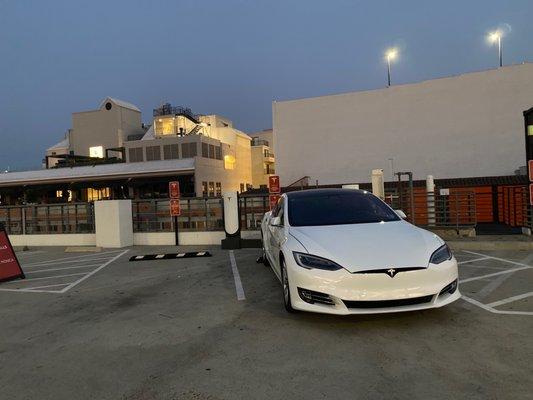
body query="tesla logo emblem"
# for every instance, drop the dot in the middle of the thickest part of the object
(391, 272)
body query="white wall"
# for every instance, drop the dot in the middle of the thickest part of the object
(64, 239)
(463, 126)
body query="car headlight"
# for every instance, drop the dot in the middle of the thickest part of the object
(308, 261)
(440, 255)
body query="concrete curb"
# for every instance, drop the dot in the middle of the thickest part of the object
(491, 245)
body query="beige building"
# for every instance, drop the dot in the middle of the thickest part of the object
(108, 153)
(92, 132)
(263, 161)
(221, 153)
(469, 125)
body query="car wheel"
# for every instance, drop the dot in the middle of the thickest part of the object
(286, 288)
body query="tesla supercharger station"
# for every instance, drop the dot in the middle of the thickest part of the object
(232, 225)
(378, 185)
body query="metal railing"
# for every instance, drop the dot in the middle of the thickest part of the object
(252, 209)
(48, 218)
(456, 210)
(197, 214)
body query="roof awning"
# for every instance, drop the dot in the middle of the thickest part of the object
(98, 172)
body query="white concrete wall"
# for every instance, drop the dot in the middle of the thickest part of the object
(66, 239)
(185, 238)
(463, 126)
(114, 223)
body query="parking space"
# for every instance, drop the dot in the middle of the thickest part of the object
(48, 274)
(497, 284)
(215, 328)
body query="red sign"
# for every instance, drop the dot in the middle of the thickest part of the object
(531, 194)
(9, 265)
(530, 168)
(273, 184)
(175, 209)
(174, 189)
(273, 200)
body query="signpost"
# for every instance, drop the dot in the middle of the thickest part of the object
(175, 209)
(9, 264)
(274, 189)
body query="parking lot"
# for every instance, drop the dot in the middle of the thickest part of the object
(97, 326)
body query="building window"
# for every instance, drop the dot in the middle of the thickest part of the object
(136, 154)
(218, 152)
(211, 189)
(188, 150)
(229, 162)
(153, 153)
(205, 150)
(204, 189)
(98, 194)
(170, 151)
(211, 151)
(219, 189)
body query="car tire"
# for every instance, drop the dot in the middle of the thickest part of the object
(286, 288)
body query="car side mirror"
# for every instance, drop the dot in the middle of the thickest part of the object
(401, 214)
(276, 221)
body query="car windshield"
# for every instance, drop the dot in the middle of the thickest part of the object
(338, 209)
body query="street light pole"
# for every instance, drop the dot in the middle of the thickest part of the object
(390, 55)
(388, 70)
(496, 37)
(500, 49)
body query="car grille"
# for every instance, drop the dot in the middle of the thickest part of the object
(387, 303)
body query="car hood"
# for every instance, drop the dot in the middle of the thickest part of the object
(363, 247)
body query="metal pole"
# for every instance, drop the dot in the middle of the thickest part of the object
(176, 234)
(500, 50)
(410, 174)
(388, 71)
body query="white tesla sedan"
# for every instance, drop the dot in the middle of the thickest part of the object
(345, 251)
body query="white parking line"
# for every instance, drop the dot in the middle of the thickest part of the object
(473, 260)
(510, 299)
(493, 310)
(499, 259)
(47, 277)
(62, 268)
(495, 283)
(236, 277)
(476, 278)
(93, 272)
(71, 259)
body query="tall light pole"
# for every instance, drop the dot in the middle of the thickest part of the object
(390, 55)
(496, 37)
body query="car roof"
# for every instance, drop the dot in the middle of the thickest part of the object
(321, 192)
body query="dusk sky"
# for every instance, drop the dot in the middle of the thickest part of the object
(227, 57)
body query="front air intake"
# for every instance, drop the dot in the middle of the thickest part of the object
(387, 303)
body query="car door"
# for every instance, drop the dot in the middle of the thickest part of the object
(276, 235)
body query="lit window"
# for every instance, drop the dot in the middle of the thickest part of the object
(96, 151)
(229, 162)
(219, 189)
(211, 189)
(98, 194)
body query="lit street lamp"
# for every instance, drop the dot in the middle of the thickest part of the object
(496, 37)
(390, 55)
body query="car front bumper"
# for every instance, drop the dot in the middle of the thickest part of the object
(406, 291)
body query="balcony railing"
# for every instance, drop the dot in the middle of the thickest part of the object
(259, 142)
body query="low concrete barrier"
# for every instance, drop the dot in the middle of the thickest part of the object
(63, 239)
